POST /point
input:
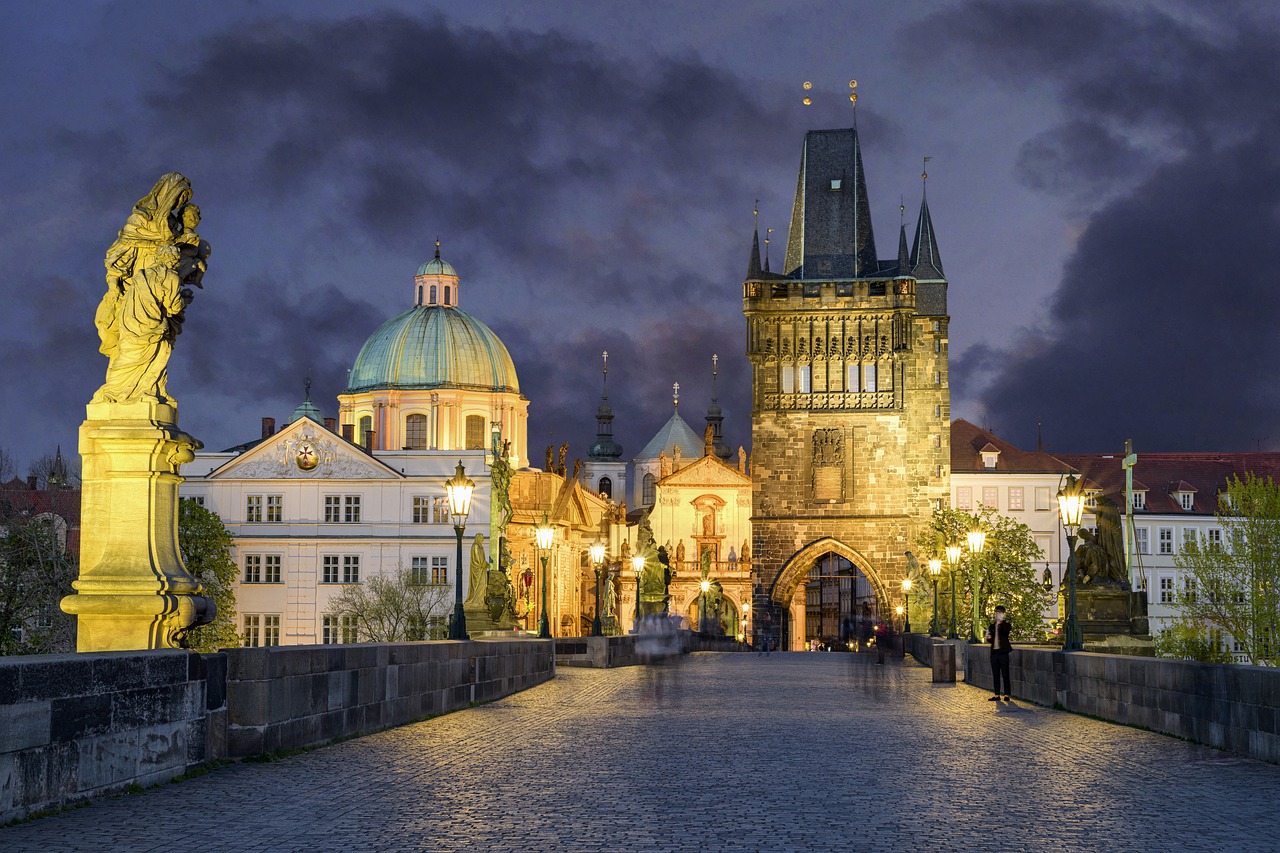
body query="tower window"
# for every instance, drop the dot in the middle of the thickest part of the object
(475, 428)
(836, 184)
(648, 490)
(605, 487)
(366, 427)
(415, 432)
(433, 294)
(446, 295)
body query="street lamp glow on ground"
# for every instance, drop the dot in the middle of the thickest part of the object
(953, 560)
(597, 558)
(906, 591)
(637, 565)
(935, 569)
(977, 541)
(544, 534)
(1071, 508)
(458, 490)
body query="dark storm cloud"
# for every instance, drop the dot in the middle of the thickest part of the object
(1161, 329)
(575, 193)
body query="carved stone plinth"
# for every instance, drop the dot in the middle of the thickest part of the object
(133, 591)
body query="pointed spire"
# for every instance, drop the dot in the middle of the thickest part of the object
(926, 263)
(768, 236)
(831, 234)
(753, 266)
(904, 255)
(715, 415)
(605, 448)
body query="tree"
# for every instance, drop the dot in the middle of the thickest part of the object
(35, 573)
(205, 546)
(53, 470)
(1191, 639)
(1001, 574)
(1234, 585)
(394, 608)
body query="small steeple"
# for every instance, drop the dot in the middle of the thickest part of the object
(605, 448)
(715, 415)
(436, 283)
(926, 263)
(768, 235)
(753, 266)
(904, 254)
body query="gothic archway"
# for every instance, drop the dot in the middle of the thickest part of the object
(809, 568)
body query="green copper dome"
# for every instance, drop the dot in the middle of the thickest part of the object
(308, 409)
(433, 346)
(436, 266)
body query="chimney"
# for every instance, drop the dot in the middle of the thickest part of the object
(31, 482)
(268, 427)
(349, 432)
(331, 424)
(370, 440)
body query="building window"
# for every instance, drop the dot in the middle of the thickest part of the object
(366, 427)
(351, 568)
(420, 571)
(937, 377)
(475, 432)
(253, 568)
(271, 568)
(1188, 537)
(270, 630)
(1167, 593)
(1142, 539)
(440, 570)
(1214, 535)
(1139, 500)
(605, 487)
(1186, 500)
(447, 295)
(1042, 498)
(964, 497)
(329, 631)
(869, 378)
(415, 432)
(805, 376)
(440, 510)
(349, 634)
(351, 509)
(198, 500)
(648, 490)
(788, 379)
(990, 496)
(421, 509)
(253, 509)
(329, 568)
(275, 509)
(1189, 587)
(937, 411)
(252, 634)
(332, 509)
(1166, 540)
(1015, 498)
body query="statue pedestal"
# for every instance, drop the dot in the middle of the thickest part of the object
(133, 591)
(1111, 619)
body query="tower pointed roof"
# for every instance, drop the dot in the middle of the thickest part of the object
(926, 263)
(753, 266)
(831, 234)
(904, 255)
(605, 449)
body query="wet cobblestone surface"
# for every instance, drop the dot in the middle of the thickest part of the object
(722, 752)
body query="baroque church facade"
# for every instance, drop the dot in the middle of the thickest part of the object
(850, 400)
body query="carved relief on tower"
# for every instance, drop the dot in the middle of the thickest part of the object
(827, 464)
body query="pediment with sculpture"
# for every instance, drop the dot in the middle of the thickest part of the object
(305, 450)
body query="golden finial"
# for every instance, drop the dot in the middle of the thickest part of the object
(756, 214)
(853, 96)
(924, 170)
(675, 394)
(807, 87)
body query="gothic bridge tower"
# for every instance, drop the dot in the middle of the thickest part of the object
(850, 402)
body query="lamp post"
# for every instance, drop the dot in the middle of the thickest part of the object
(597, 558)
(702, 606)
(1071, 507)
(637, 565)
(458, 490)
(977, 541)
(746, 608)
(906, 591)
(935, 569)
(545, 534)
(953, 560)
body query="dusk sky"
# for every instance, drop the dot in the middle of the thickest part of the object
(1104, 184)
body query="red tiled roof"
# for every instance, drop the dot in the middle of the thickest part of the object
(968, 442)
(1205, 474)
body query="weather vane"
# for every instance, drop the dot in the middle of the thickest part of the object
(853, 95)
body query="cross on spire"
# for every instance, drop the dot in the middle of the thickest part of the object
(675, 396)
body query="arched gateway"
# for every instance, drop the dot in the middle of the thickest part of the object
(818, 588)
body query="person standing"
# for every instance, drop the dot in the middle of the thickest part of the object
(998, 639)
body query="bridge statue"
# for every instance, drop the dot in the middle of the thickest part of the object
(133, 591)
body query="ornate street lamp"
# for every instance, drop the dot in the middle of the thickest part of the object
(935, 569)
(906, 590)
(637, 564)
(953, 560)
(458, 489)
(597, 559)
(545, 535)
(977, 541)
(702, 606)
(1071, 508)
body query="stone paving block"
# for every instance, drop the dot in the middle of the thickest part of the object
(24, 725)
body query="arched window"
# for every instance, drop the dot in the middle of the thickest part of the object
(415, 432)
(433, 294)
(605, 487)
(648, 491)
(446, 294)
(366, 427)
(419, 294)
(475, 428)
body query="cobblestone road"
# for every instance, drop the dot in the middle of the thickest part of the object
(723, 752)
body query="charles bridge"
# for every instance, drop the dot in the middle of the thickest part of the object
(715, 751)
